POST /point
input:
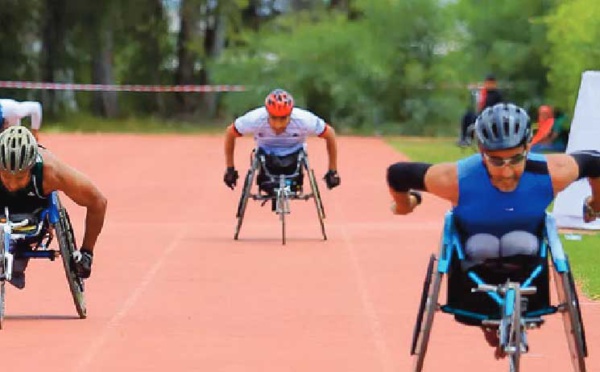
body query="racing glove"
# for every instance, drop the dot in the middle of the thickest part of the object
(83, 259)
(332, 179)
(230, 178)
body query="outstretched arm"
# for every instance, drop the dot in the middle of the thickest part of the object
(79, 188)
(230, 135)
(405, 179)
(329, 136)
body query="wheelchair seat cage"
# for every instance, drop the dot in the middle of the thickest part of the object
(519, 300)
(279, 189)
(26, 236)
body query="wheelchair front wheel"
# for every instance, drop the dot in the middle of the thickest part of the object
(66, 243)
(513, 328)
(427, 310)
(572, 321)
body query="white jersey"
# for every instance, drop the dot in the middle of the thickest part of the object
(14, 111)
(302, 124)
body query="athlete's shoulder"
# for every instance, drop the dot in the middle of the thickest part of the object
(302, 114)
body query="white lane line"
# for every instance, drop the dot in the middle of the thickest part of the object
(387, 364)
(115, 321)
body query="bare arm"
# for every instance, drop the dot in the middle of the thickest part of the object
(79, 188)
(331, 143)
(565, 169)
(230, 135)
(439, 179)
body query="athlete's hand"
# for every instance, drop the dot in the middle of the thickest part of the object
(83, 259)
(332, 179)
(589, 214)
(230, 178)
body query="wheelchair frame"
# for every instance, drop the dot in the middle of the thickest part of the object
(507, 297)
(282, 192)
(53, 218)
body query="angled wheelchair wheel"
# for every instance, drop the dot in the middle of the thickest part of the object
(243, 203)
(66, 243)
(2, 294)
(427, 309)
(2, 297)
(2, 280)
(572, 320)
(318, 201)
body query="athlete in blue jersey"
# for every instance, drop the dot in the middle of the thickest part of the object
(280, 130)
(500, 195)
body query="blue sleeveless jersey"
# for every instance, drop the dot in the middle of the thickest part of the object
(482, 208)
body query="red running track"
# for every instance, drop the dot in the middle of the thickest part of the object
(172, 290)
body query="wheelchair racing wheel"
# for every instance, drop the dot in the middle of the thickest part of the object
(317, 197)
(2, 283)
(427, 308)
(572, 321)
(243, 202)
(66, 243)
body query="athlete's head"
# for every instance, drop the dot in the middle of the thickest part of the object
(279, 105)
(18, 150)
(503, 132)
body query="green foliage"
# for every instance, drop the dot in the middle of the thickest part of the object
(574, 30)
(353, 73)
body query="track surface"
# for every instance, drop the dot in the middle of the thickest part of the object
(172, 290)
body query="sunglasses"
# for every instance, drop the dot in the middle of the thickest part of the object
(278, 117)
(500, 162)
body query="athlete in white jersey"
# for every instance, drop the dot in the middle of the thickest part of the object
(280, 129)
(13, 111)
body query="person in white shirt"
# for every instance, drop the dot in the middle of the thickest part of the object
(280, 130)
(11, 113)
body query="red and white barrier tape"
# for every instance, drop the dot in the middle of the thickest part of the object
(121, 88)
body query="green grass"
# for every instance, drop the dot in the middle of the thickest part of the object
(584, 254)
(91, 124)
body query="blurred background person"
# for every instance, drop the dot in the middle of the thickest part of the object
(13, 111)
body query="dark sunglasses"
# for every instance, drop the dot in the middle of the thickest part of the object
(278, 117)
(500, 162)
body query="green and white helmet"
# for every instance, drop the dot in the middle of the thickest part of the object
(18, 149)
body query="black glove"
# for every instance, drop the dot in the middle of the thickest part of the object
(332, 179)
(230, 178)
(83, 263)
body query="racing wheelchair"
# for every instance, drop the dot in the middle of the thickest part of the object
(30, 236)
(280, 188)
(509, 295)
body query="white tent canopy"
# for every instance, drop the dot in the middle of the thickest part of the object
(584, 135)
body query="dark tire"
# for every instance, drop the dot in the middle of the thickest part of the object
(422, 303)
(318, 201)
(243, 203)
(66, 243)
(430, 306)
(2, 281)
(281, 200)
(572, 321)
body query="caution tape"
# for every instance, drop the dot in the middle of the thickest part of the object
(121, 88)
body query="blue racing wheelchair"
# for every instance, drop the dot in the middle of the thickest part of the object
(507, 295)
(30, 236)
(278, 187)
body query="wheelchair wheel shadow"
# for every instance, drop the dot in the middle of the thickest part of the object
(29, 317)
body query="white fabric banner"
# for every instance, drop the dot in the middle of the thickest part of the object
(584, 135)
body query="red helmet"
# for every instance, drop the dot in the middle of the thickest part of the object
(279, 103)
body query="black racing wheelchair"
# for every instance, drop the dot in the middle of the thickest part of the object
(279, 180)
(30, 236)
(509, 295)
